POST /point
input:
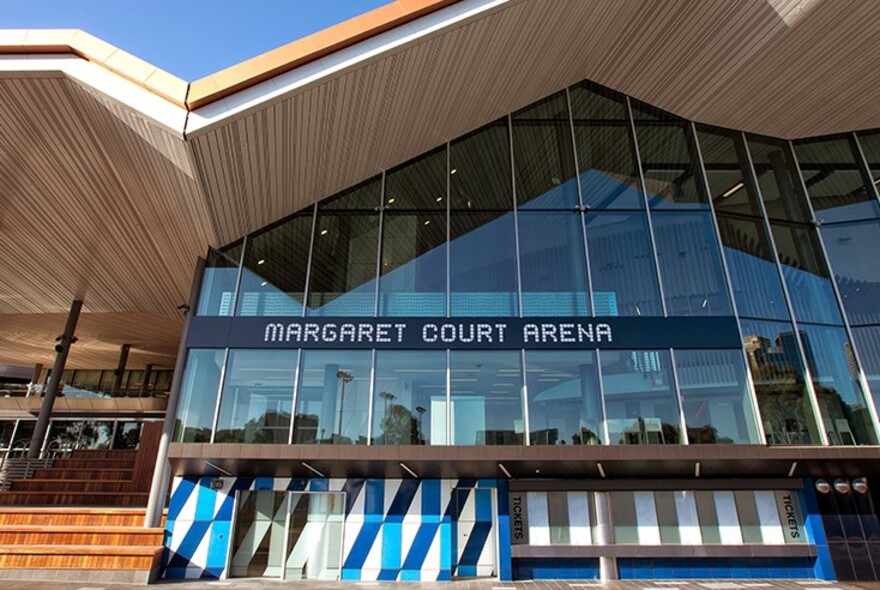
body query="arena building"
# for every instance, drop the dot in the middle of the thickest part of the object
(522, 289)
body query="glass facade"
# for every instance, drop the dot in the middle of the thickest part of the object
(585, 204)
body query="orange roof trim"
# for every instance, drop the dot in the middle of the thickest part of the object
(232, 79)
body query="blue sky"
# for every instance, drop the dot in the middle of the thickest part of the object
(188, 38)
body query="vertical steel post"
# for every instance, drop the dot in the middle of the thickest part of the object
(120, 368)
(61, 350)
(161, 471)
(145, 382)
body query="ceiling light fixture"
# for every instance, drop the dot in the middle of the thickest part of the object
(391, 200)
(732, 189)
(453, 171)
(408, 470)
(312, 469)
(504, 469)
(261, 261)
(601, 470)
(793, 467)
(324, 232)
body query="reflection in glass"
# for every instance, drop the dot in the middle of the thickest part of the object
(868, 344)
(257, 395)
(727, 171)
(198, 396)
(606, 158)
(778, 179)
(715, 397)
(482, 261)
(412, 278)
(856, 272)
(479, 169)
(563, 394)
(66, 435)
(670, 161)
(218, 281)
(409, 404)
(542, 155)
(553, 264)
(342, 279)
(757, 287)
(773, 354)
(690, 264)
(622, 265)
(418, 184)
(805, 272)
(333, 397)
(836, 180)
(273, 277)
(834, 370)
(870, 144)
(365, 196)
(486, 393)
(640, 399)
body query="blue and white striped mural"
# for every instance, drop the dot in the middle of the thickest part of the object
(393, 529)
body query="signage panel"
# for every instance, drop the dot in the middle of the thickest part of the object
(465, 333)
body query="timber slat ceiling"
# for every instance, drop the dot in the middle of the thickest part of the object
(98, 201)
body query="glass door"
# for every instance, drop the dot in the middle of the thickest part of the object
(259, 534)
(474, 533)
(314, 536)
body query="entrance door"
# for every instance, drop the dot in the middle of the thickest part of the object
(314, 538)
(474, 532)
(259, 534)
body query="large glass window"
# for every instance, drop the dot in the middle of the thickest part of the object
(842, 402)
(257, 396)
(273, 276)
(409, 403)
(343, 273)
(836, 180)
(778, 179)
(482, 256)
(553, 264)
(217, 294)
(805, 272)
(622, 265)
(728, 172)
(418, 184)
(486, 394)
(715, 396)
(543, 158)
(198, 396)
(670, 161)
(641, 406)
(333, 397)
(605, 154)
(412, 278)
(690, 264)
(479, 169)
(868, 344)
(757, 287)
(856, 271)
(773, 354)
(565, 406)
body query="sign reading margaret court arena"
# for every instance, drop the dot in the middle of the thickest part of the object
(464, 333)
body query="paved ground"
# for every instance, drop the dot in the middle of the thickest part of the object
(269, 584)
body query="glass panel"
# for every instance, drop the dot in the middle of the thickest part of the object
(856, 272)
(63, 436)
(198, 396)
(542, 155)
(715, 396)
(257, 395)
(486, 391)
(564, 402)
(778, 179)
(640, 401)
(835, 179)
(314, 541)
(128, 435)
(669, 160)
(553, 264)
(479, 169)
(409, 406)
(807, 277)
(333, 398)
(606, 158)
(413, 271)
(870, 142)
(218, 282)
(623, 517)
(835, 378)
(7, 427)
(727, 171)
(622, 265)
(418, 184)
(757, 287)
(482, 253)
(690, 264)
(366, 196)
(258, 545)
(774, 360)
(273, 278)
(868, 345)
(95, 434)
(343, 272)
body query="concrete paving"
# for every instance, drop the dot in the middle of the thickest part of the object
(272, 584)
